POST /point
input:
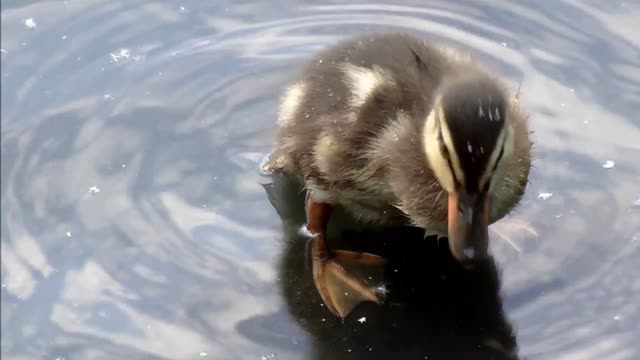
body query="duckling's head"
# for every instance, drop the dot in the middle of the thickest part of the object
(467, 141)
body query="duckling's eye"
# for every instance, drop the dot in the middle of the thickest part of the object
(495, 166)
(485, 187)
(443, 149)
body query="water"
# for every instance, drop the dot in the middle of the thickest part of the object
(135, 224)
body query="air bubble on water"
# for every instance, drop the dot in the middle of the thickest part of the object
(544, 195)
(30, 23)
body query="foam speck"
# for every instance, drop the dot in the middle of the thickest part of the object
(544, 195)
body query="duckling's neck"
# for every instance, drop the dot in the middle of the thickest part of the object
(409, 177)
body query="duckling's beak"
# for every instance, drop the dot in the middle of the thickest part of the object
(468, 227)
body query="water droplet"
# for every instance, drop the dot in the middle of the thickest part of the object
(68, 234)
(469, 252)
(608, 164)
(362, 320)
(94, 190)
(304, 231)
(30, 23)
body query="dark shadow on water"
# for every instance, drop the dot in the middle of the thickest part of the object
(434, 309)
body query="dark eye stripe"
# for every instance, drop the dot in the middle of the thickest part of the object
(445, 153)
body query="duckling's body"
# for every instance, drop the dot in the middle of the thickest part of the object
(356, 128)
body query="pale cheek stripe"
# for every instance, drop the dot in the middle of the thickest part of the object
(437, 161)
(446, 135)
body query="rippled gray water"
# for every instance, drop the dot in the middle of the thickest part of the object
(135, 224)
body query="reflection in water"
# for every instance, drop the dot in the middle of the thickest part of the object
(434, 308)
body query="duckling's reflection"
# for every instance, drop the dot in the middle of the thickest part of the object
(434, 309)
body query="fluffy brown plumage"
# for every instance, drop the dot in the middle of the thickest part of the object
(351, 126)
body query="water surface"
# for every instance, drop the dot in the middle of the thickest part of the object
(135, 224)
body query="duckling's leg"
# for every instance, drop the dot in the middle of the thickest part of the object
(340, 289)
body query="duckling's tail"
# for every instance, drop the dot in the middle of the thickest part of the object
(272, 162)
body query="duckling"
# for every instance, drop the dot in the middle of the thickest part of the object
(399, 131)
